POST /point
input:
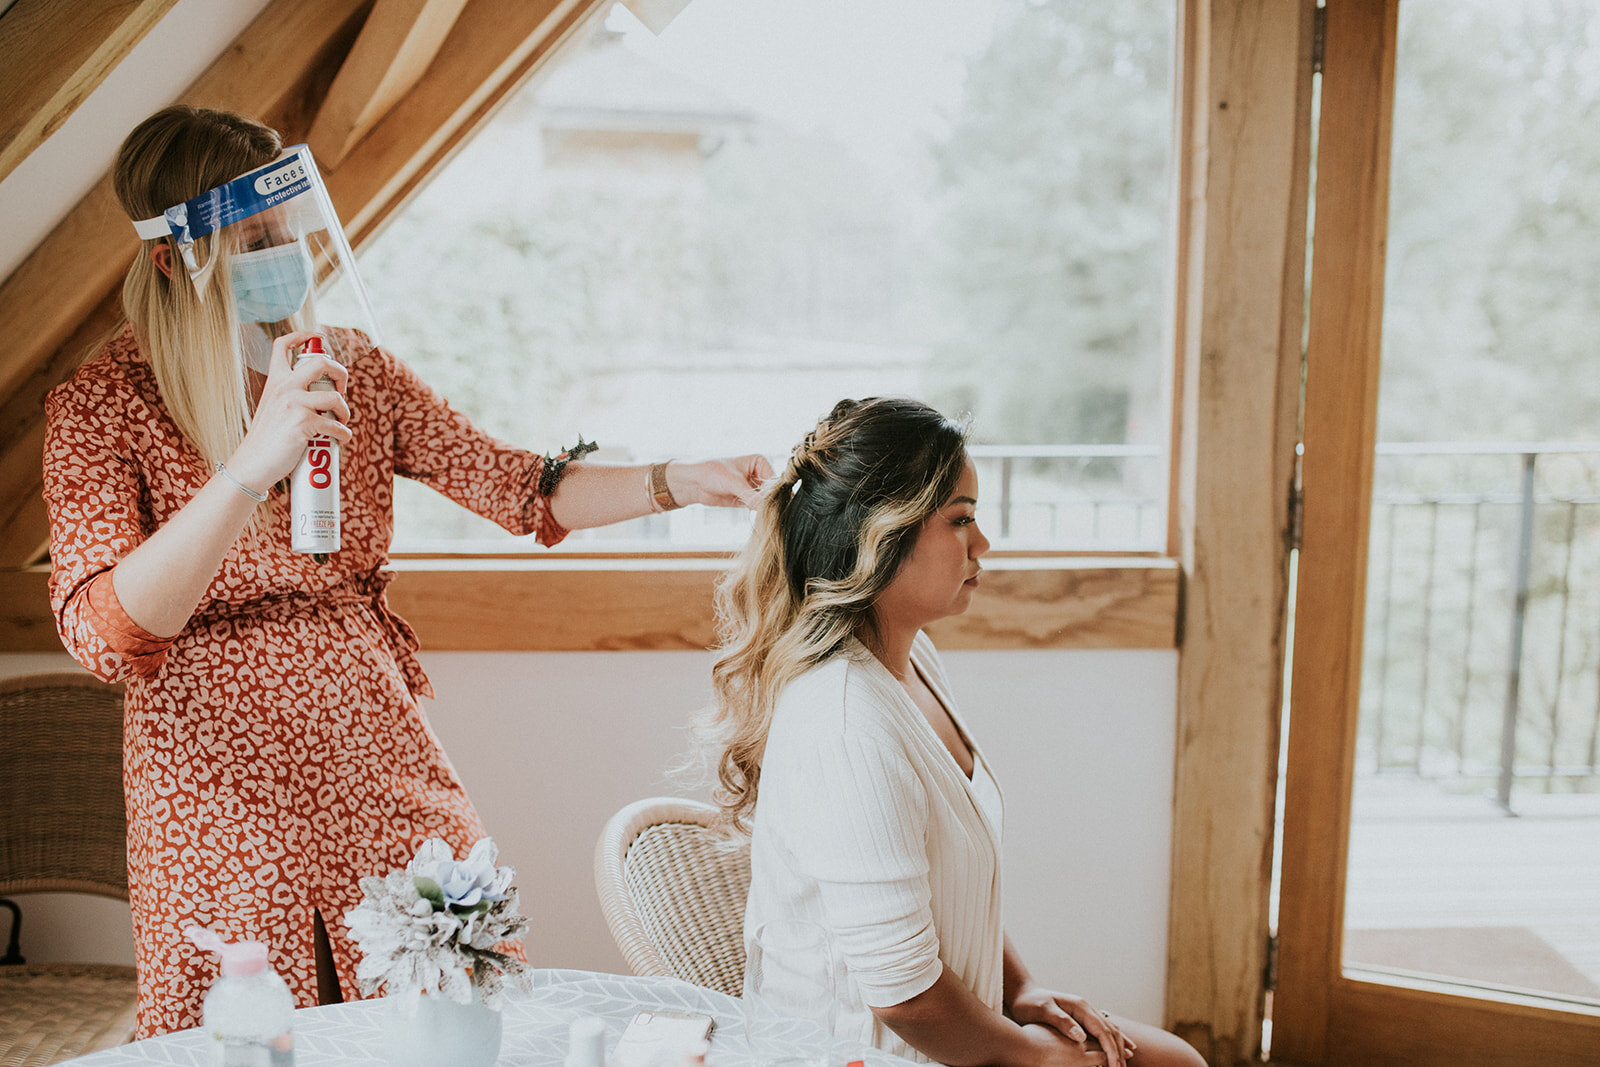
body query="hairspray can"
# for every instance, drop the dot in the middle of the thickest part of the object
(314, 486)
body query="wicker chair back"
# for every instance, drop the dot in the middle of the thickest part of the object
(673, 891)
(62, 829)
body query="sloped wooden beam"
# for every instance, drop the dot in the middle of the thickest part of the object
(26, 624)
(24, 530)
(53, 54)
(63, 297)
(263, 74)
(271, 72)
(397, 42)
(493, 48)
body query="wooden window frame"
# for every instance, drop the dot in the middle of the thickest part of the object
(491, 602)
(1044, 599)
(664, 602)
(567, 602)
(1324, 1011)
(1245, 124)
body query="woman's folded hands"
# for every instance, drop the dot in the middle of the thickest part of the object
(1073, 1021)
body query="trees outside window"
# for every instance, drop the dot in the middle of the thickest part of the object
(697, 243)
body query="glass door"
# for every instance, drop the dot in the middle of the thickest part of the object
(1441, 878)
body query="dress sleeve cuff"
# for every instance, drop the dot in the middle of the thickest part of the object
(536, 514)
(876, 995)
(143, 651)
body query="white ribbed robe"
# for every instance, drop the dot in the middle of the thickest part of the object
(865, 824)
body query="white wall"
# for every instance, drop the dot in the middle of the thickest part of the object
(550, 744)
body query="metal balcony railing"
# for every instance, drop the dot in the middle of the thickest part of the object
(1481, 663)
(1077, 496)
(1482, 655)
(1092, 497)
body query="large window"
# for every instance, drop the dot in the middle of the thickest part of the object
(695, 243)
(1481, 677)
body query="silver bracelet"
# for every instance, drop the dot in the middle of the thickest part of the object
(237, 484)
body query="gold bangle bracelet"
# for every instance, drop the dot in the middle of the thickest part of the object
(657, 490)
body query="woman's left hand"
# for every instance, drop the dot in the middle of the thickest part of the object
(718, 483)
(1073, 1019)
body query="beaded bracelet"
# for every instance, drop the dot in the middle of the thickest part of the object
(555, 466)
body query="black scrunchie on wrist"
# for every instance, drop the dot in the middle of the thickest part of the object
(555, 466)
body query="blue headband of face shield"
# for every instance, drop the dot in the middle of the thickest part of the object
(289, 181)
(271, 284)
(268, 284)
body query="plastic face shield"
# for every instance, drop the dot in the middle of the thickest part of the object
(273, 239)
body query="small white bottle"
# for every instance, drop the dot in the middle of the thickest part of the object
(248, 1013)
(314, 486)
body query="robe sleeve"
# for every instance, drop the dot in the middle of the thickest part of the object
(440, 447)
(858, 826)
(92, 490)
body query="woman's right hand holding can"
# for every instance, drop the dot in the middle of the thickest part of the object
(290, 413)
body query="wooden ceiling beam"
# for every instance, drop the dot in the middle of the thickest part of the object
(64, 297)
(23, 526)
(66, 294)
(493, 48)
(53, 54)
(264, 73)
(398, 41)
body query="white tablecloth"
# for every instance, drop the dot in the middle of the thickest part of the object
(535, 1027)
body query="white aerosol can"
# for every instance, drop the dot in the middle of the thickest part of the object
(314, 486)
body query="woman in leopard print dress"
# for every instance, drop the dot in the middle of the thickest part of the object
(274, 750)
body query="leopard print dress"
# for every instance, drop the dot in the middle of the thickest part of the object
(273, 751)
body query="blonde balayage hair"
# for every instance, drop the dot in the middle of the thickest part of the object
(829, 537)
(190, 337)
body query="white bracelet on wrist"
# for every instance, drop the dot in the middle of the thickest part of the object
(237, 484)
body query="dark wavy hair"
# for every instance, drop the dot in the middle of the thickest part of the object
(830, 535)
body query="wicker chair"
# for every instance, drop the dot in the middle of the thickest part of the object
(62, 829)
(673, 892)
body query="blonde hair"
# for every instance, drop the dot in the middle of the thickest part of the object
(829, 537)
(190, 337)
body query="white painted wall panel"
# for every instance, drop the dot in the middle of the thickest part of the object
(550, 744)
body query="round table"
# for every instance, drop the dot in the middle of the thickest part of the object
(535, 1027)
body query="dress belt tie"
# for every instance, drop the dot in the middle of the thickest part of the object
(359, 589)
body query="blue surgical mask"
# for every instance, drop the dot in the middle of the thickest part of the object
(270, 284)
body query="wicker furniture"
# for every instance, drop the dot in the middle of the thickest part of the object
(673, 892)
(62, 829)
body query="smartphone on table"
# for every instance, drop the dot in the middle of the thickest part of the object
(661, 1038)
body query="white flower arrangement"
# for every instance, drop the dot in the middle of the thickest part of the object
(432, 927)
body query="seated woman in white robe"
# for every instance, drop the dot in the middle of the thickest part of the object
(871, 810)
